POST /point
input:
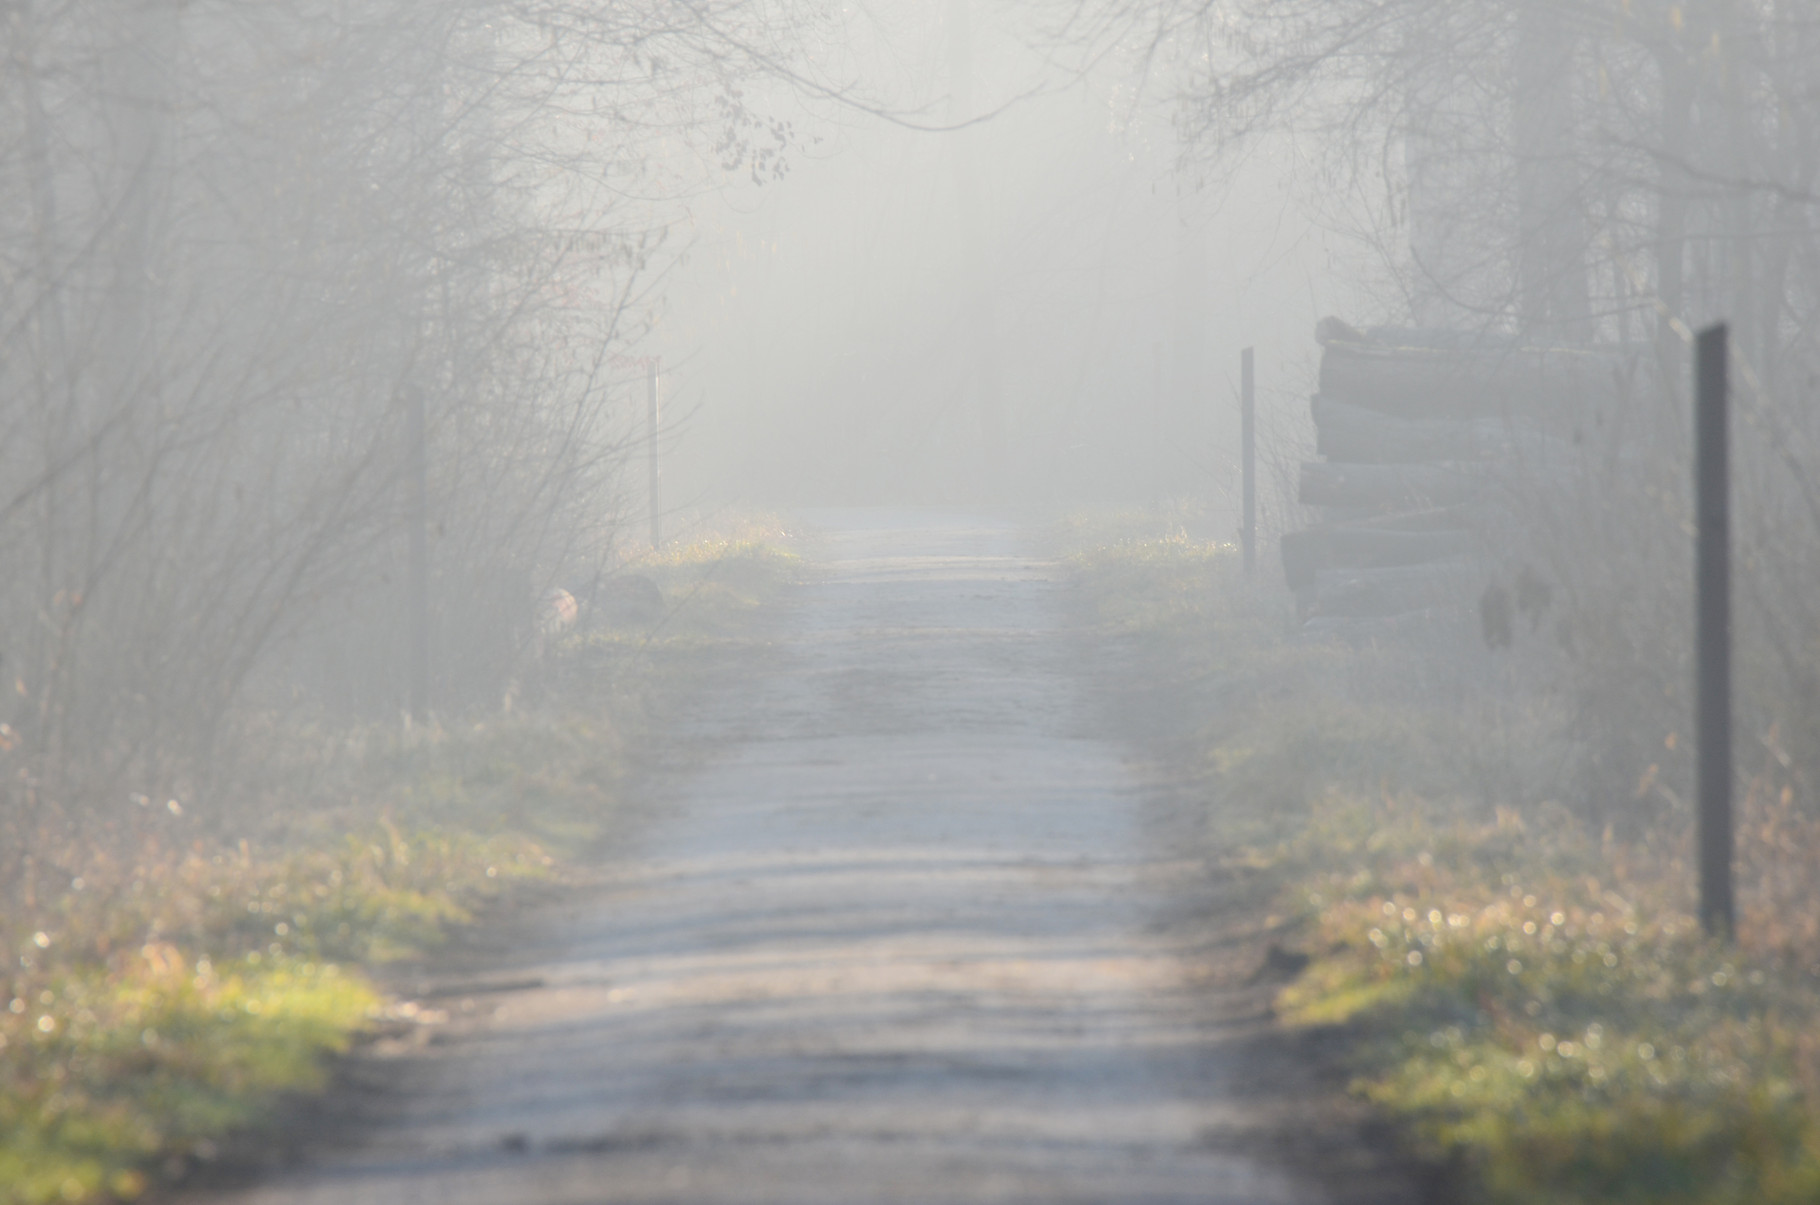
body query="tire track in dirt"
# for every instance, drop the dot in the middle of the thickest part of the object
(896, 941)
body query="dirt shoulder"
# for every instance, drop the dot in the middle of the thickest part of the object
(201, 994)
(908, 935)
(1165, 694)
(1523, 1003)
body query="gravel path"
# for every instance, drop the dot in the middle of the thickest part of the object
(896, 941)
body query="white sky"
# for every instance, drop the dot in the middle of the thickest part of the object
(819, 334)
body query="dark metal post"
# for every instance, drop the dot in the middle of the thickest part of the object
(651, 423)
(420, 555)
(1248, 454)
(1713, 689)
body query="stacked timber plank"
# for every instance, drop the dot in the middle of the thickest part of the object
(1428, 441)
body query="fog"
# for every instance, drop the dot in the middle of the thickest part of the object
(846, 334)
(534, 531)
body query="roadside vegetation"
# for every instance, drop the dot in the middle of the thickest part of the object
(170, 989)
(1516, 971)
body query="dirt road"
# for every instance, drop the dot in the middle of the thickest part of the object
(896, 942)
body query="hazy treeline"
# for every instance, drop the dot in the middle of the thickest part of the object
(1615, 175)
(1573, 170)
(236, 241)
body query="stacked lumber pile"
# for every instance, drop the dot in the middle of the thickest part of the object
(1428, 441)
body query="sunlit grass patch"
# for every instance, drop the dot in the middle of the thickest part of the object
(151, 1054)
(710, 586)
(163, 1005)
(1528, 996)
(1570, 1038)
(728, 568)
(169, 996)
(732, 549)
(712, 573)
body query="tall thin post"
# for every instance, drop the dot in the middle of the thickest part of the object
(1248, 459)
(418, 519)
(1713, 688)
(1159, 429)
(651, 425)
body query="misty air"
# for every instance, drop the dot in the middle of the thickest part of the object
(834, 602)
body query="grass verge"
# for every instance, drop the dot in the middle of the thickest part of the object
(1527, 998)
(158, 1001)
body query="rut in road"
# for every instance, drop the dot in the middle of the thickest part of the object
(893, 943)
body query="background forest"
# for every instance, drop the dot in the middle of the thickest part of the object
(1610, 177)
(278, 279)
(282, 284)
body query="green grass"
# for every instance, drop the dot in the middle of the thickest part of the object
(152, 1014)
(161, 1003)
(1530, 1001)
(1553, 1019)
(115, 1065)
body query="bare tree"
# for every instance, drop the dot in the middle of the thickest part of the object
(1602, 174)
(235, 238)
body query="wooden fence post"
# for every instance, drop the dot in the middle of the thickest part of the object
(1713, 687)
(651, 425)
(1248, 454)
(418, 520)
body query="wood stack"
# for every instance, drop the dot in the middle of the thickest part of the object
(1424, 436)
